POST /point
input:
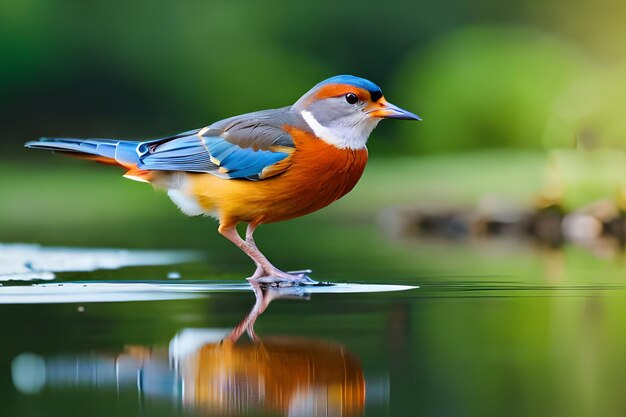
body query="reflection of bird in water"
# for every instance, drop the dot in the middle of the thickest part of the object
(212, 372)
(287, 375)
(261, 167)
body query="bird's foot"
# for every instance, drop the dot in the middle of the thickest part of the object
(278, 278)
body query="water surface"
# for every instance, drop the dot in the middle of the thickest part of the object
(490, 328)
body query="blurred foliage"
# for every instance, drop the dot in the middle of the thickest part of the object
(482, 74)
(575, 178)
(487, 87)
(589, 113)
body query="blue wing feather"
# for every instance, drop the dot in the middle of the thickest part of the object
(217, 145)
(242, 162)
(263, 160)
(224, 151)
(195, 153)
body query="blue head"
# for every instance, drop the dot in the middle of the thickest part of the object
(375, 92)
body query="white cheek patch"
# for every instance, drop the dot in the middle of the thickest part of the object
(350, 137)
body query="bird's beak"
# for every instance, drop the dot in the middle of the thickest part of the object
(386, 110)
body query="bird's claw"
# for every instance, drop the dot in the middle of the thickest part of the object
(304, 278)
(285, 279)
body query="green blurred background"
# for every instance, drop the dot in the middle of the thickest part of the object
(517, 99)
(528, 74)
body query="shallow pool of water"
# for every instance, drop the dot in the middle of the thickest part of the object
(414, 328)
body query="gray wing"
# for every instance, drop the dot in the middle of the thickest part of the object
(252, 146)
(259, 130)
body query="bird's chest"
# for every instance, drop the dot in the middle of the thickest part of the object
(320, 174)
(328, 170)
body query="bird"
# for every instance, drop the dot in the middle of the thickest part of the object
(257, 168)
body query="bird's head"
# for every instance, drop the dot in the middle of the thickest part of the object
(343, 110)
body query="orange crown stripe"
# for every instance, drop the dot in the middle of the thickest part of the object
(337, 90)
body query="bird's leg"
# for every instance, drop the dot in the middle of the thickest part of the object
(260, 271)
(266, 273)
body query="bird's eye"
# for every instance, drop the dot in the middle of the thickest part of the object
(352, 98)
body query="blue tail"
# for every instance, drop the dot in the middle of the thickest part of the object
(123, 152)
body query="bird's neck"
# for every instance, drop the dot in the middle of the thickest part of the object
(343, 136)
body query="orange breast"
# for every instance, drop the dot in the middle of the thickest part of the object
(319, 174)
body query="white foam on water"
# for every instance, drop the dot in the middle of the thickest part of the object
(93, 292)
(347, 288)
(25, 262)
